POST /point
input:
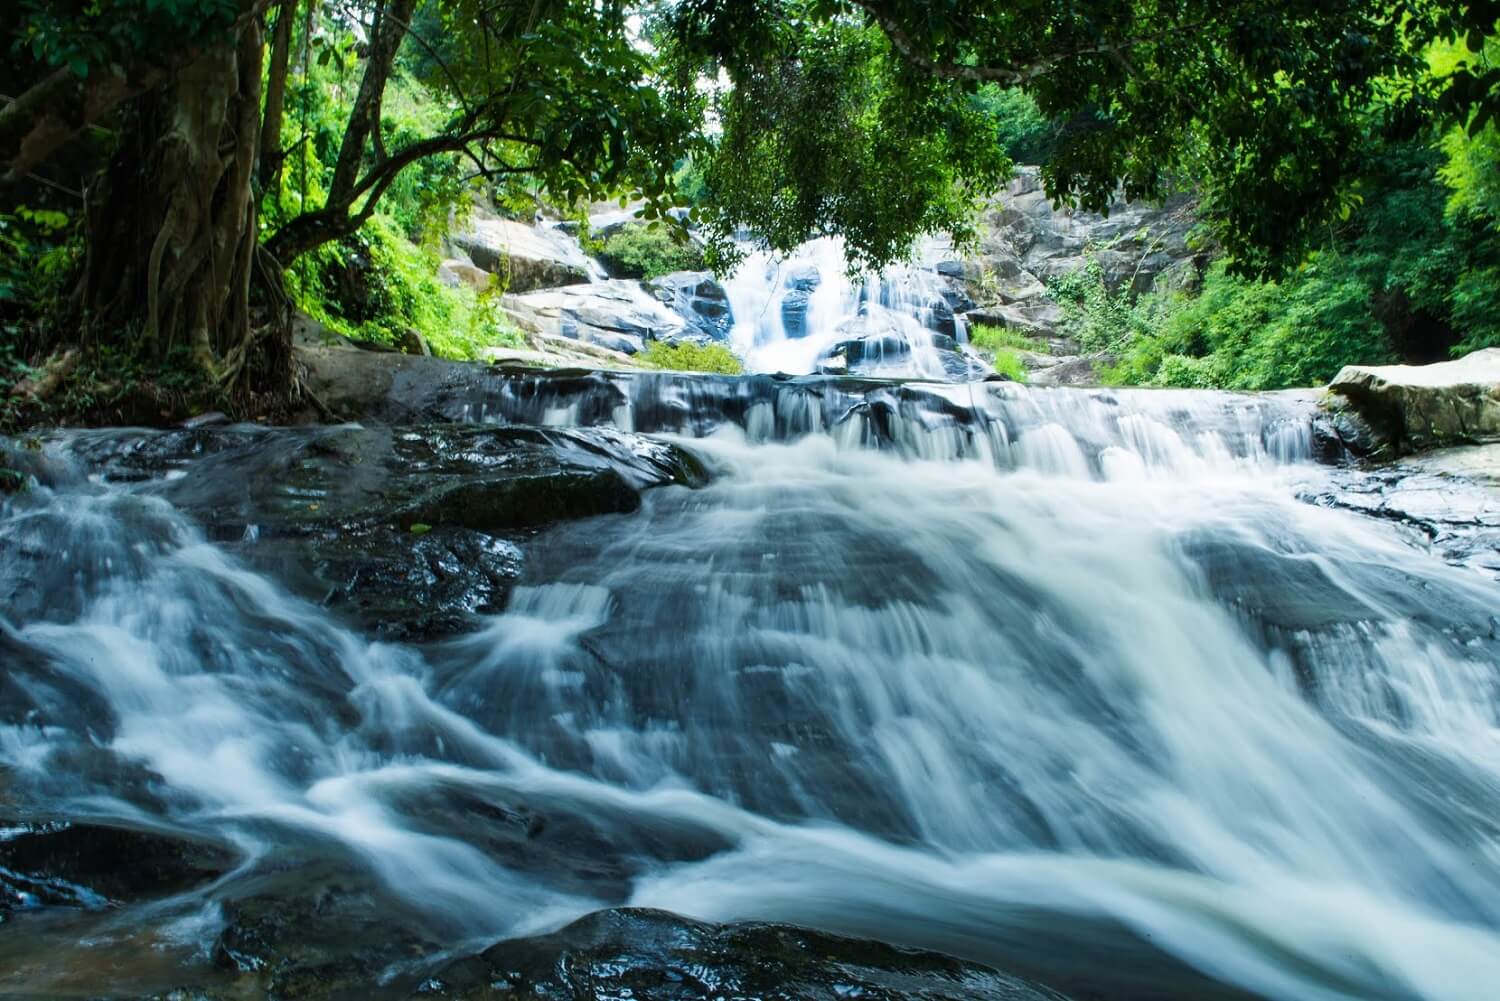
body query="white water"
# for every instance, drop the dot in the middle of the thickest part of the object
(1104, 670)
(896, 305)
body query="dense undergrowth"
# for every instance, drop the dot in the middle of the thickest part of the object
(648, 251)
(1412, 275)
(1003, 347)
(381, 283)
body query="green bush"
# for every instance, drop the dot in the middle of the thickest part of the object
(1240, 333)
(987, 337)
(686, 356)
(1008, 362)
(377, 285)
(1412, 275)
(649, 251)
(1093, 316)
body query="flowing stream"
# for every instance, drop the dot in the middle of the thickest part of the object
(1065, 682)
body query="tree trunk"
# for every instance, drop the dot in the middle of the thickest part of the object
(281, 51)
(172, 243)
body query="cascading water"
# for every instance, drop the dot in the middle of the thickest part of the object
(1060, 681)
(803, 313)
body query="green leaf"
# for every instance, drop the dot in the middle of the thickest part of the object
(420, 528)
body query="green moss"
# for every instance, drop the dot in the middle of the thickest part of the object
(378, 285)
(690, 357)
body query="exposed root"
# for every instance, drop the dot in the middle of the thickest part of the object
(39, 388)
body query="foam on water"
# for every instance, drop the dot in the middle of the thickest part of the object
(1029, 677)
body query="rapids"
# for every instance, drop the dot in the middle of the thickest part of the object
(1072, 684)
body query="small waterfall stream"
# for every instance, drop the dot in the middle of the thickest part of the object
(1066, 682)
(804, 313)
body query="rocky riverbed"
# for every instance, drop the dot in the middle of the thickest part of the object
(483, 693)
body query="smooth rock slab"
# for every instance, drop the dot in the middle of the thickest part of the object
(90, 866)
(617, 314)
(1449, 499)
(525, 257)
(1388, 410)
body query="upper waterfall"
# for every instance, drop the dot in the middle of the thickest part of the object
(805, 313)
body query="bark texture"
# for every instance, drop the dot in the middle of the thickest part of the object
(173, 246)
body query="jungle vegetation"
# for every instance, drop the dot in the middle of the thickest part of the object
(176, 176)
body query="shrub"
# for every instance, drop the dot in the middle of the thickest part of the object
(1007, 362)
(649, 251)
(987, 337)
(1093, 316)
(378, 285)
(685, 356)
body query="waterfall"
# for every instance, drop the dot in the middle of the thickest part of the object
(1060, 680)
(804, 313)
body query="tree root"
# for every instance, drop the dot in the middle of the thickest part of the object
(39, 387)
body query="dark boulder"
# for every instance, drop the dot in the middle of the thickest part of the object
(794, 306)
(412, 532)
(83, 865)
(633, 953)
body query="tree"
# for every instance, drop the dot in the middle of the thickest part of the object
(859, 117)
(1262, 105)
(551, 89)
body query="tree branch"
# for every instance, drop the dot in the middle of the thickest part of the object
(364, 116)
(903, 43)
(281, 50)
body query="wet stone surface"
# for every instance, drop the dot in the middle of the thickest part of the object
(1447, 500)
(57, 863)
(409, 531)
(648, 954)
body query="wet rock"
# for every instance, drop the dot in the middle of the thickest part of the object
(636, 953)
(699, 300)
(314, 932)
(1449, 499)
(64, 864)
(411, 531)
(794, 306)
(1389, 410)
(525, 257)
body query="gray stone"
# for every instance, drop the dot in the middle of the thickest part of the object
(456, 273)
(525, 257)
(699, 300)
(794, 306)
(618, 314)
(1396, 409)
(1068, 370)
